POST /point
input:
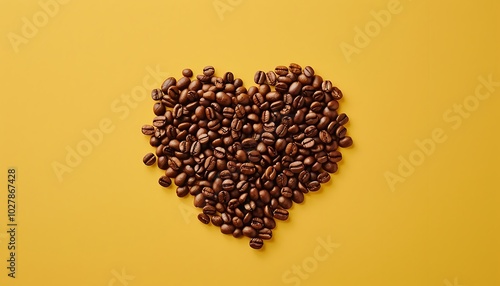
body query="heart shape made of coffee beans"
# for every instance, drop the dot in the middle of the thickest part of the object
(246, 155)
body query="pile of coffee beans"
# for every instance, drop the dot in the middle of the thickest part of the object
(247, 155)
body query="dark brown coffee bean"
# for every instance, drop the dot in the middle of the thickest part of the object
(204, 218)
(217, 220)
(297, 197)
(271, 78)
(249, 143)
(280, 214)
(256, 243)
(284, 202)
(182, 191)
(313, 186)
(337, 93)
(260, 77)
(159, 121)
(295, 88)
(156, 94)
(168, 83)
(208, 70)
(308, 143)
(164, 181)
(149, 159)
(268, 138)
(295, 68)
(323, 177)
(209, 210)
(257, 223)
(309, 71)
(345, 142)
(327, 86)
(180, 180)
(281, 87)
(325, 137)
(342, 119)
(281, 70)
(296, 167)
(341, 131)
(148, 130)
(227, 228)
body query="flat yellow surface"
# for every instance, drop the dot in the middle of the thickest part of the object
(415, 201)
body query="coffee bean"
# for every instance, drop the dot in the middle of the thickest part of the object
(342, 119)
(309, 71)
(148, 130)
(325, 137)
(295, 68)
(164, 181)
(296, 167)
(149, 159)
(323, 177)
(313, 186)
(204, 218)
(182, 191)
(345, 142)
(208, 70)
(260, 77)
(280, 214)
(281, 87)
(285, 202)
(295, 88)
(227, 228)
(256, 243)
(308, 143)
(159, 121)
(337, 93)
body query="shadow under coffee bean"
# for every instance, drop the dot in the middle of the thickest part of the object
(247, 155)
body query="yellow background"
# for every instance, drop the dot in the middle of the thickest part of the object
(109, 217)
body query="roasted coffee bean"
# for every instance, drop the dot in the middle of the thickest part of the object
(260, 77)
(341, 131)
(309, 71)
(168, 83)
(285, 202)
(296, 167)
(271, 78)
(281, 70)
(323, 177)
(342, 119)
(148, 130)
(204, 218)
(256, 243)
(337, 93)
(159, 121)
(325, 137)
(227, 228)
(345, 142)
(295, 68)
(281, 87)
(280, 214)
(327, 86)
(208, 70)
(149, 159)
(313, 186)
(257, 223)
(164, 181)
(182, 191)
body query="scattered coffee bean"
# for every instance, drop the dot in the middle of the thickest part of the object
(256, 243)
(149, 159)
